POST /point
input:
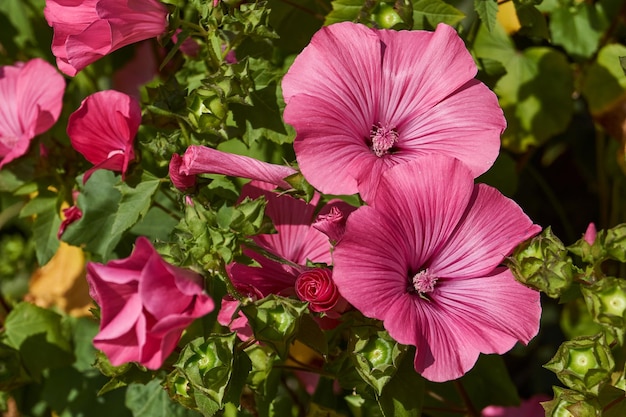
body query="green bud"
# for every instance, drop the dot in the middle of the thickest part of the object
(568, 403)
(606, 301)
(375, 354)
(386, 16)
(543, 263)
(275, 321)
(615, 242)
(584, 364)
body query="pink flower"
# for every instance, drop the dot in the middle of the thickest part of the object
(31, 94)
(70, 214)
(425, 259)
(141, 69)
(295, 242)
(145, 305)
(529, 408)
(103, 129)
(179, 180)
(204, 160)
(87, 30)
(332, 224)
(363, 100)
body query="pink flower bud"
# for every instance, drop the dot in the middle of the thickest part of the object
(317, 287)
(332, 224)
(180, 180)
(590, 233)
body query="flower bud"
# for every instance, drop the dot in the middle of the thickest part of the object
(606, 301)
(542, 263)
(584, 363)
(568, 403)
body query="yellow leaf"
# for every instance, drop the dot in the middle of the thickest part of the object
(61, 283)
(507, 16)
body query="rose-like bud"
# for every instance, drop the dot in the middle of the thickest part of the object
(590, 233)
(568, 403)
(584, 363)
(180, 180)
(316, 286)
(606, 300)
(145, 305)
(543, 263)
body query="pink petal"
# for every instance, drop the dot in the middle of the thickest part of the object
(181, 181)
(104, 126)
(204, 160)
(492, 227)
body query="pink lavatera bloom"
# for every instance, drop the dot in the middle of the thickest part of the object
(87, 30)
(529, 408)
(363, 100)
(425, 259)
(145, 305)
(205, 160)
(103, 130)
(31, 94)
(295, 242)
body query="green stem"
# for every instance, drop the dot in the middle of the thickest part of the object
(197, 29)
(554, 201)
(471, 410)
(167, 210)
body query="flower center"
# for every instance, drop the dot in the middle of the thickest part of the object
(383, 139)
(424, 282)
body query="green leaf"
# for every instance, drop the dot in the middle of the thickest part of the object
(108, 213)
(44, 208)
(427, 14)
(40, 337)
(151, 400)
(578, 28)
(535, 93)
(344, 11)
(487, 11)
(403, 396)
(605, 82)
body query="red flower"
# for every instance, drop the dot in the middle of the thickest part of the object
(87, 30)
(316, 286)
(32, 96)
(103, 130)
(145, 305)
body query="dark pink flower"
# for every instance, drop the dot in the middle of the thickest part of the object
(103, 130)
(70, 214)
(363, 100)
(332, 224)
(31, 94)
(145, 305)
(295, 243)
(141, 69)
(205, 160)
(425, 259)
(87, 30)
(529, 408)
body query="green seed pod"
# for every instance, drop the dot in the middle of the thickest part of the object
(615, 242)
(584, 364)
(386, 16)
(567, 403)
(606, 301)
(543, 263)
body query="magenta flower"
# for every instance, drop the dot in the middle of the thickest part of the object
(179, 180)
(295, 242)
(529, 408)
(204, 160)
(363, 100)
(87, 30)
(103, 129)
(145, 305)
(425, 259)
(590, 233)
(31, 94)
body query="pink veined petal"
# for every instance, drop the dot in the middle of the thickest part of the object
(492, 227)
(270, 277)
(458, 127)
(10, 126)
(88, 46)
(204, 160)
(434, 194)
(431, 57)
(133, 21)
(120, 350)
(125, 315)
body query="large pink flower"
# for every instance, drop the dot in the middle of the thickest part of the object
(363, 100)
(87, 30)
(31, 94)
(103, 130)
(425, 259)
(295, 242)
(145, 305)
